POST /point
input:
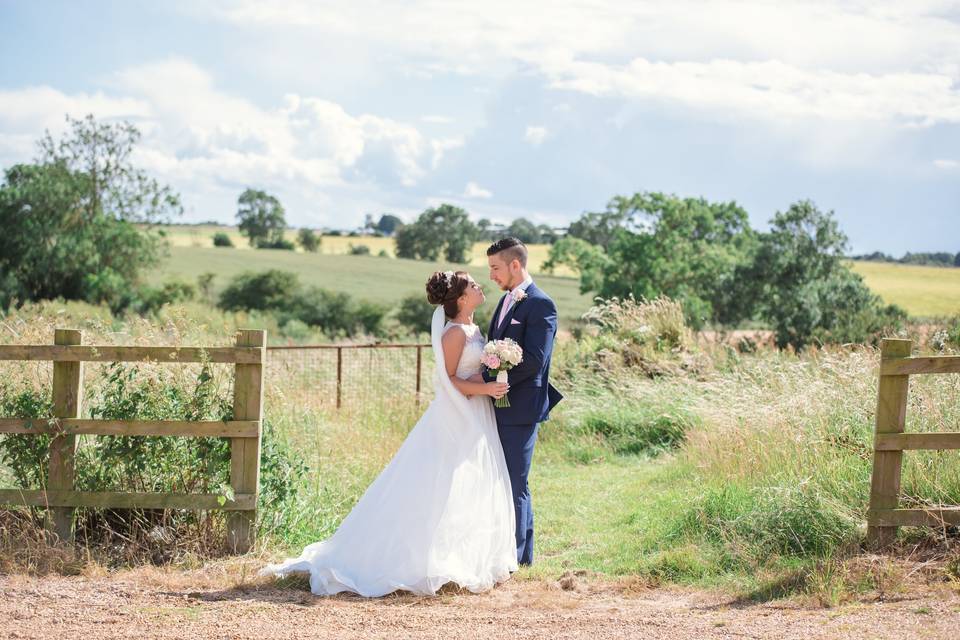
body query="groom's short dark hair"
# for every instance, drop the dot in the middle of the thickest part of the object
(511, 248)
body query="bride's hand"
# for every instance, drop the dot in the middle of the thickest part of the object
(496, 390)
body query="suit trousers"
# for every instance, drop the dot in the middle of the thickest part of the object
(518, 442)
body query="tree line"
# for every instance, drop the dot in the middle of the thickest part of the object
(705, 254)
(924, 258)
(82, 222)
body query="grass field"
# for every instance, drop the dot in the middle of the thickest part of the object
(922, 291)
(380, 279)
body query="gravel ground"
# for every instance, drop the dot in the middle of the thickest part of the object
(153, 604)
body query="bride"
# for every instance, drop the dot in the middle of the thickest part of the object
(442, 510)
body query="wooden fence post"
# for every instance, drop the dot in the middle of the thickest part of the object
(245, 452)
(887, 465)
(419, 368)
(339, 374)
(67, 399)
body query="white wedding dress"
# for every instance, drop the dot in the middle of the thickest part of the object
(441, 511)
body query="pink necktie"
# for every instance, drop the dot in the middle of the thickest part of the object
(506, 307)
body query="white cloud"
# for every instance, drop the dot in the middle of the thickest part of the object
(435, 119)
(26, 113)
(203, 140)
(473, 190)
(886, 60)
(440, 147)
(535, 135)
(947, 165)
(772, 90)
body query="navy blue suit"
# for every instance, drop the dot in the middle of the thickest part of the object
(531, 323)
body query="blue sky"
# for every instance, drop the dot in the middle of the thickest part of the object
(539, 109)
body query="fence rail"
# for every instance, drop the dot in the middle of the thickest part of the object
(890, 441)
(244, 431)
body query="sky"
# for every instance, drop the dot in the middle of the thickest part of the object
(536, 109)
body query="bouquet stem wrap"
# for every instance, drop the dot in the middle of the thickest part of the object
(504, 401)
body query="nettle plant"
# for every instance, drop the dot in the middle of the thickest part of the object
(150, 463)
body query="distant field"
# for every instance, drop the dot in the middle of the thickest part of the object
(371, 278)
(922, 291)
(202, 236)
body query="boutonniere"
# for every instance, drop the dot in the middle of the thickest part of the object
(518, 295)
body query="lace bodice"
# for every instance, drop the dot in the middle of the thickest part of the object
(470, 358)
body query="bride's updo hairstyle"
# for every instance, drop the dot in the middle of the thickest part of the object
(445, 288)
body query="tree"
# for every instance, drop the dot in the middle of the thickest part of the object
(69, 219)
(445, 229)
(547, 234)
(261, 217)
(657, 244)
(483, 229)
(309, 240)
(100, 155)
(586, 260)
(956, 260)
(802, 288)
(524, 230)
(600, 228)
(389, 224)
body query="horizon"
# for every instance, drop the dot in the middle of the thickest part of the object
(542, 111)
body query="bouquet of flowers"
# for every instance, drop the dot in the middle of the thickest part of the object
(499, 356)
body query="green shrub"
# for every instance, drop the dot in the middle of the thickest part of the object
(359, 250)
(151, 299)
(295, 329)
(276, 243)
(415, 313)
(281, 292)
(272, 289)
(337, 313)
(221, 239)
(25, 455)
(309, 240)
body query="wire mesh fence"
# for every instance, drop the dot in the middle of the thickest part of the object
(355, 376)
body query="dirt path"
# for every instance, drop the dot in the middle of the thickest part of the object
(151, 604)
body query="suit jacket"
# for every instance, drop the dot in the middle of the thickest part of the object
(531, 323)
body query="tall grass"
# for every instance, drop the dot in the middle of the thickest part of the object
(664, 461)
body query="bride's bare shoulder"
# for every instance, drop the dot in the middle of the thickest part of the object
(454, 334)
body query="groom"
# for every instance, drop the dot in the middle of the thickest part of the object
(528, 316)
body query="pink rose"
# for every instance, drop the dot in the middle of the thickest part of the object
(493, 362)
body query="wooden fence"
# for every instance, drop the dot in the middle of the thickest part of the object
(890, 441)
(244, 431)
